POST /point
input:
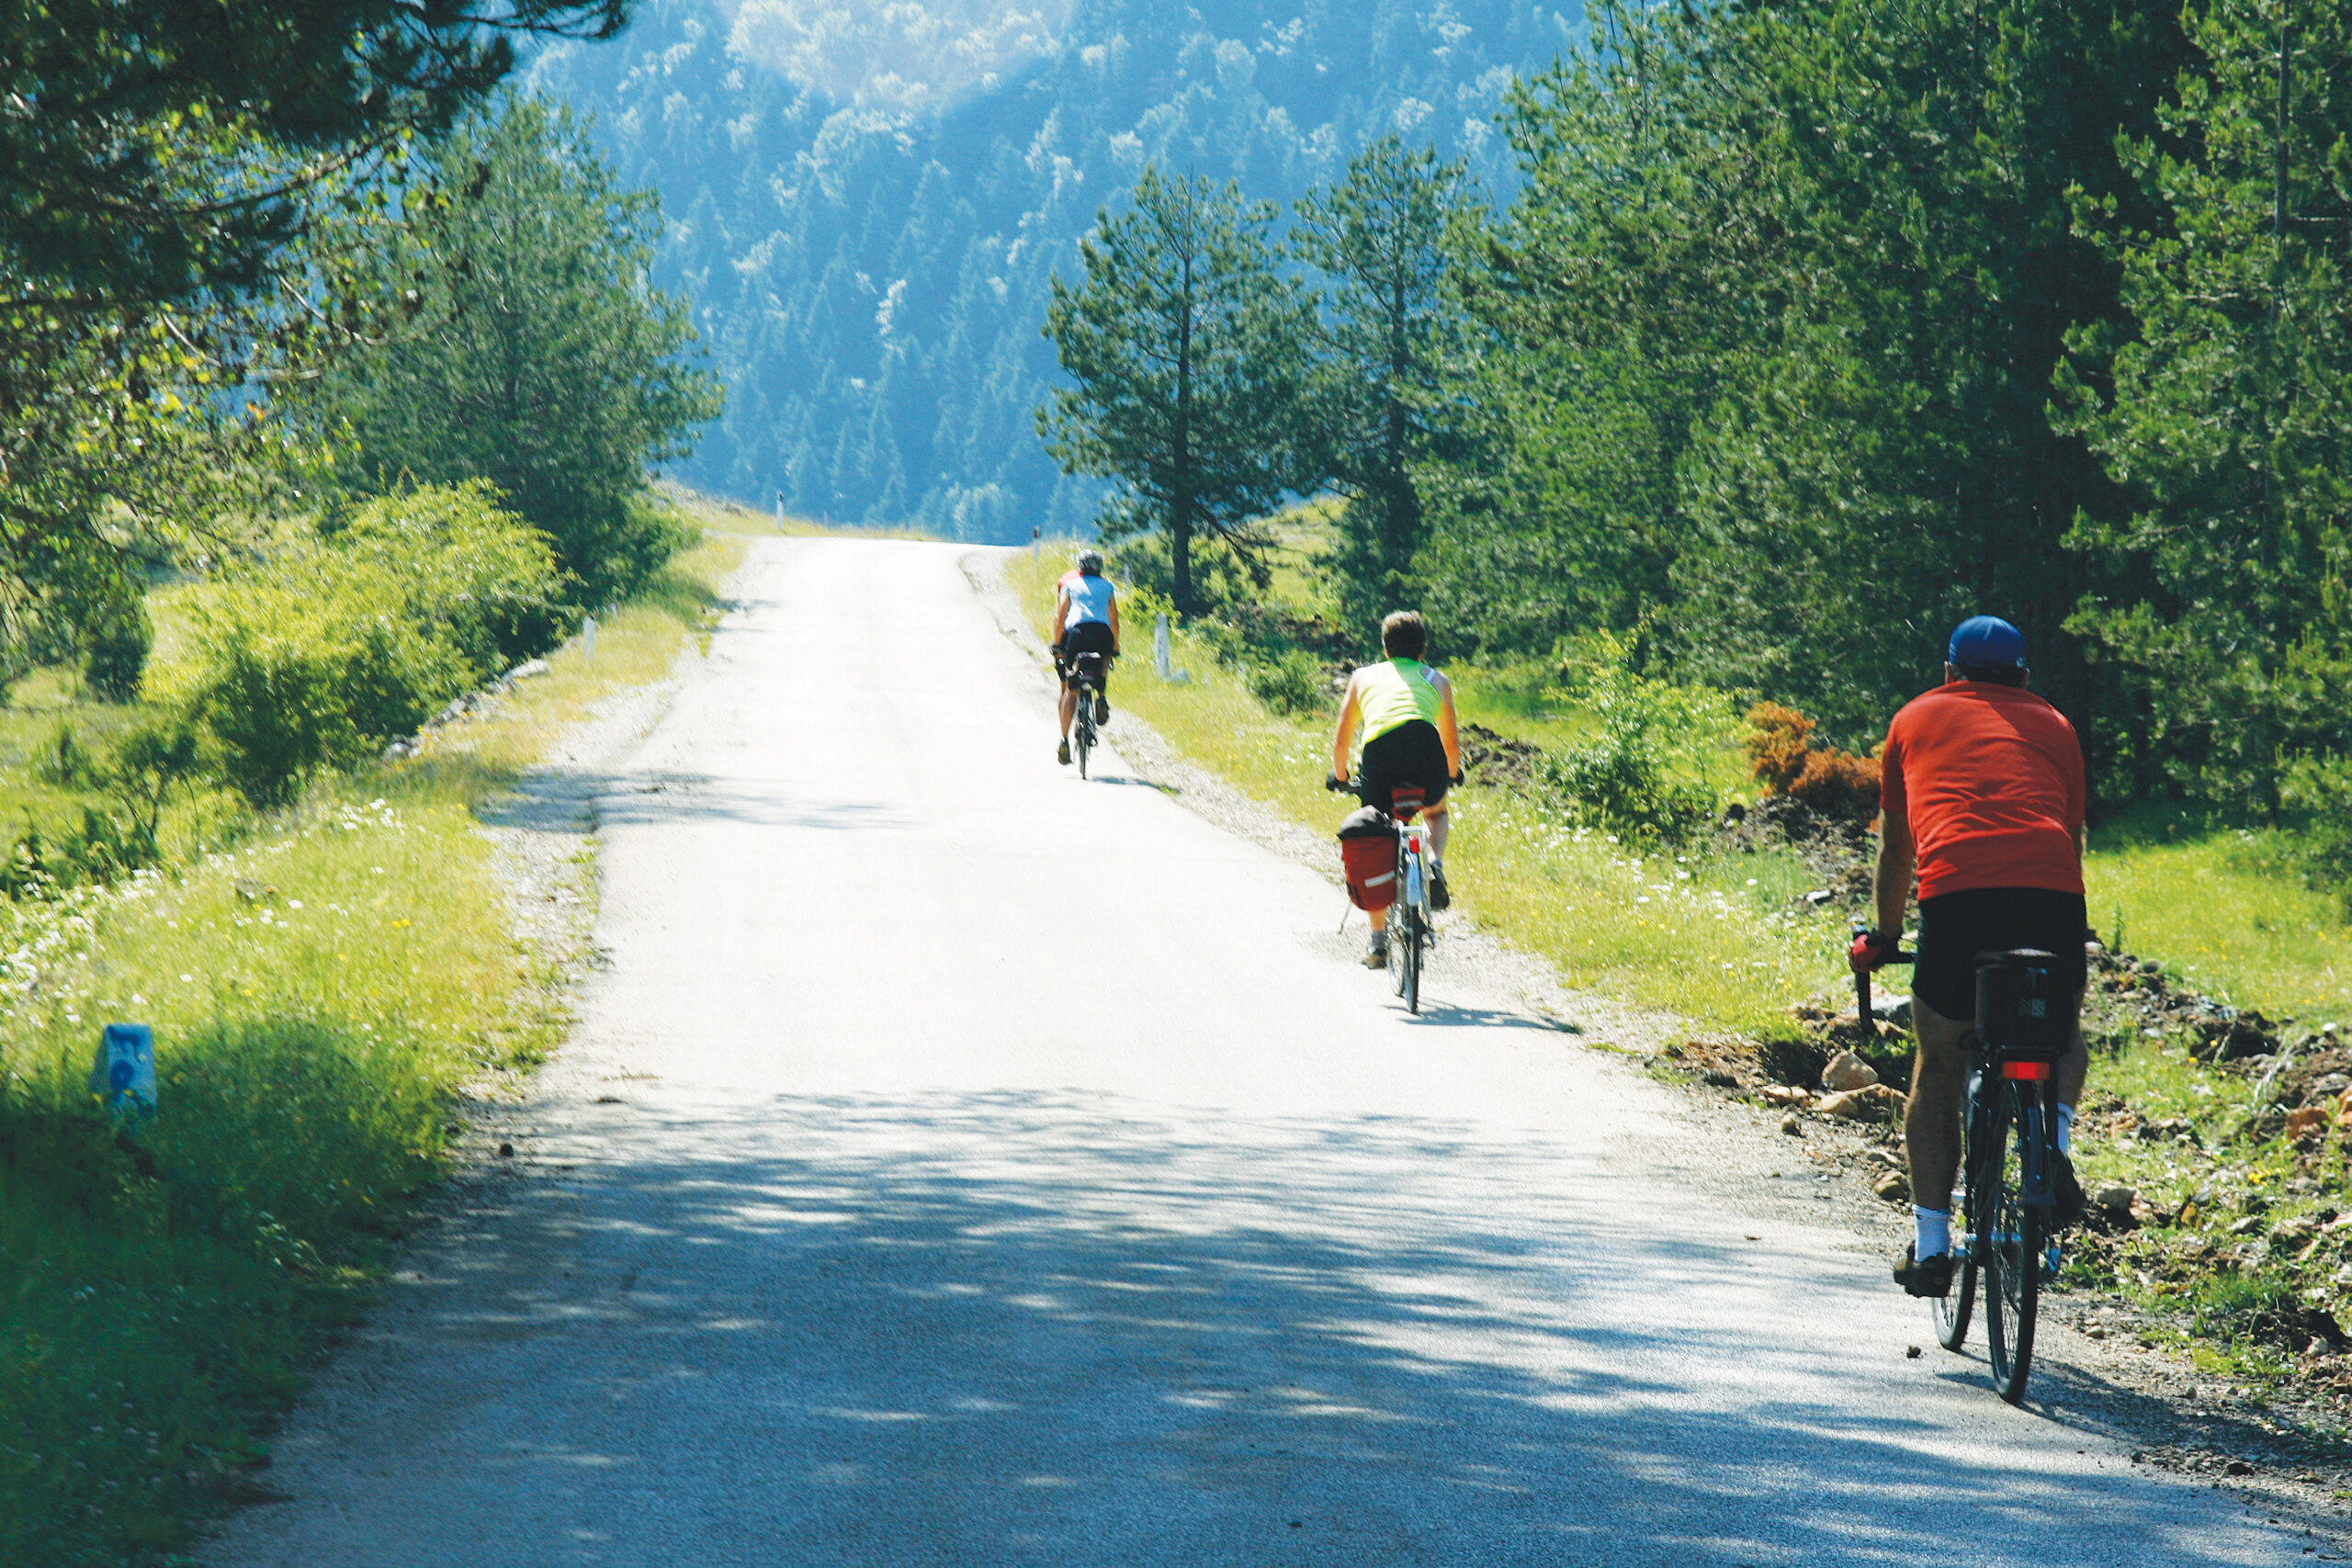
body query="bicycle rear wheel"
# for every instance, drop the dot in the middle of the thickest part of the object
(1084, 730)
(2010, 1240)
(1416, 939)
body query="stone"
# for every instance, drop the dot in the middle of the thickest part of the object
(1846, 1070)
(2307, 1125)
(1873, 1102)
(529, 668)
(1787, 1094)
(1791, 1126)
(2237, 1467)
(2117, 1200)
(1894, 1186)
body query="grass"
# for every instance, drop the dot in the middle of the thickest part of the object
(1718, 940)
(2228, 912)
(321, 989)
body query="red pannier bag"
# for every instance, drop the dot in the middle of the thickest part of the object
(1368, 851)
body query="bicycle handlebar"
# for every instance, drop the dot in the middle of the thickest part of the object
(1335, 784)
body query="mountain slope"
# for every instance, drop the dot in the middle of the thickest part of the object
(866, 205)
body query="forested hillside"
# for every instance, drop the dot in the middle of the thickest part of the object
(867, 219)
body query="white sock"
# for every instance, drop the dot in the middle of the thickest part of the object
(2067, 1131)
(1935, 1231)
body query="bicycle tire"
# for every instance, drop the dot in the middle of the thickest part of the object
(1415, 927)
(1084, 729)
(1415, 891)
(2011, 1233)
(1952, 1313)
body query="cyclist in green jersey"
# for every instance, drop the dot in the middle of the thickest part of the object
(1405, 709)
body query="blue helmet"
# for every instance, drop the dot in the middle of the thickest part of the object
(1985, 641)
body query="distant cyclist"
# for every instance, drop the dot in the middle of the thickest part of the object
(1086, 620)
(1983, 793)
(1405, 710)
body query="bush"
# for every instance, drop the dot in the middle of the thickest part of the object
(114, 647)
(2319, 791)
(1291, 682)
(1645, 773)
(315, 659)
(1777, 743)
(1782, 755)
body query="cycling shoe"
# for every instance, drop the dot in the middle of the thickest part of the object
(1376, 956)
(1439, 897)
(1061, 754)
(1930, 1276)
(1101, 710)
(2067, 1192)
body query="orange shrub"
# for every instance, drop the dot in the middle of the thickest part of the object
(1778, 742)
(1782, 754)
(1838, 783)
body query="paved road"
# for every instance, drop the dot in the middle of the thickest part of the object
(1007, 1170)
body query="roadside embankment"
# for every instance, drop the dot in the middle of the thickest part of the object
(331, 985)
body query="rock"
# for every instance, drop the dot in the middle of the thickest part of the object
(1894, 1186)
(1910, 1352)
(1846, 1070)
(1717, 1077)
(505, 1151)
(1819, 896)
(1873, 1102)
(2307, 1125)
(1788, 1095)
(2117, 1204)
(1791, 1126)
(2237, 1467)
(529, 668)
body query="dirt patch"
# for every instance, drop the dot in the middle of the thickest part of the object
(1496, 761)
(1839, 849)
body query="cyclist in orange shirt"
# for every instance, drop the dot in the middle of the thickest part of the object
(1982, 795)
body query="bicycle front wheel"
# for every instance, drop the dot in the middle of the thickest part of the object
(2009, 1241)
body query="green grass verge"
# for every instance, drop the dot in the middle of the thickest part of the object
(319, 989)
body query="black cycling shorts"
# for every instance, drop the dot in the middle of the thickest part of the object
(1409, 754)
(1087, 637)
(1955, 926)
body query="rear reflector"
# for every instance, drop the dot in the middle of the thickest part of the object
(2036, 1071)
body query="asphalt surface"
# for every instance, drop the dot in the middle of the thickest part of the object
(995, 1168)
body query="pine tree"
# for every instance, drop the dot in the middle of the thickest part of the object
(1186, 343)
(1387, 236)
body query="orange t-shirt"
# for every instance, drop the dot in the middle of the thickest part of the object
(1990, 778)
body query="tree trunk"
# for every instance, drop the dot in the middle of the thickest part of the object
(1180, 465)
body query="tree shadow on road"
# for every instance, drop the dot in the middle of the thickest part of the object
(1052, 1328)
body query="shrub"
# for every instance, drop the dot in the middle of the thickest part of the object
(115, 646)
(2319, 791)
(1777, 743)
(1290, 682)
(1780, 754)
(1645, 772)
(314, 658)
(1838, 784)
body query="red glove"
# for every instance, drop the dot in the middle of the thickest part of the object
(1870, 950)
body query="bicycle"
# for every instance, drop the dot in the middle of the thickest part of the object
(1087, 669)
(2008, 1123)
(1411, 932)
